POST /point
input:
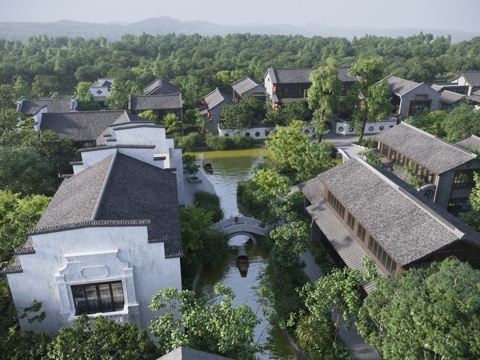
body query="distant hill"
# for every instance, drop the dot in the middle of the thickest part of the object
(164, 25)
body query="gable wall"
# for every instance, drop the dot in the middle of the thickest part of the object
(42, 277)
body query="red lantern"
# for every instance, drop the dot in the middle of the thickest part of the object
(209, 114)
(274, 89)
(203, 101)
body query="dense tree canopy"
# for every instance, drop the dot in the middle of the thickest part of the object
(425, 313)
(219, 328)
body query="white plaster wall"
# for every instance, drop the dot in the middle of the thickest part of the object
(90, 158)
(151, 271)
(370, 128)
(38, 118)
(103, 89)
(260, 132)
(268, 85)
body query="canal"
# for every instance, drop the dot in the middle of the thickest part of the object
(230, 167)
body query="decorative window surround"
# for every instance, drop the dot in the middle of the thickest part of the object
(94, 267)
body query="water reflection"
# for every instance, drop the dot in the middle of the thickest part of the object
(230, 167)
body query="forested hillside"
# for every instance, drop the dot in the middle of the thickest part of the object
(197, 64)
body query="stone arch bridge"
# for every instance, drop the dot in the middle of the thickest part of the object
(241, 225)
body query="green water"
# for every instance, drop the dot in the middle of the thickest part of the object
(230, 167)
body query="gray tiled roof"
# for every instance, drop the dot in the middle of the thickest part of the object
(471, 77)
(159, 86)
(290, 75)
(116, 191)
(155, 102)
(185, 353)
(400, 86)
(475, 96)
(217, 97)
(102, 83)
(429, 151)
(84, 125)
(31, 107)
(247, 85)
(408, 227)
(450, 97)
(473, 142)
(343, 74)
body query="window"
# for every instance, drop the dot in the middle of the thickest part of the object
(370, 128)
(351, 221)
(385, 150)
(247, 134)
(392, 154)
(381, 254)
(337, 205)
(417, 107)
(456, 206)
(421, 97)
(381, 127)
(463, 179)
(98, 298)
(361, 232)
(419, 170)
(401, 160)
(429, 178)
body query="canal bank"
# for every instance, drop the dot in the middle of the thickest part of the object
(229, 168)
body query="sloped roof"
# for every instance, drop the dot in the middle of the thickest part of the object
(407, 224)
(118, 191)
(217, 97)
(473, 142)
(155, 102)
(427, 150)
(247, 85)
(32, 107)
(185, 353)
(290, 75)
(472, 78)
(343, 74)
(450, 97)
(102, 83)
(475, 96)
(400, 86)
(159, 86)
(84, 125)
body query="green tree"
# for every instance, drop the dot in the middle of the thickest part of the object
(17, 216)
(295, 155)
(324, 94)
(461, 122)
(148, 114)
(23, 170)
(195, 223)
(43, 85)
(472, 217)
(86, 100)
(374, 98)
(218, 328)
(98, 338)
(432, 122)
(172, 123)
(425, 313)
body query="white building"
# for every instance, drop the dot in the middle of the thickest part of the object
(110, 237)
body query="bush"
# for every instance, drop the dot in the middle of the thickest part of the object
(242, 142)
(191, 141)
(369, 143)
(218, 142)
(209, 202)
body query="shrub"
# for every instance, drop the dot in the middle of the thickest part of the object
(191, 141)
(209, 202)
(218, 142)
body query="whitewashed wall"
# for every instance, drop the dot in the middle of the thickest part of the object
(259, 133)
(370, 128)
(105, 254)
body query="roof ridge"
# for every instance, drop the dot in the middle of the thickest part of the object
(429, 211)
(104, 186)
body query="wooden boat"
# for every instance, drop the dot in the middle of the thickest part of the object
(242, 260)
(207, 166)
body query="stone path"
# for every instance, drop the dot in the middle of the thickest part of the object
(358, 347)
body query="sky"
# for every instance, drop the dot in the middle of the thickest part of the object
(422, 14)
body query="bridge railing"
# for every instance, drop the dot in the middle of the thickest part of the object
(237, 220)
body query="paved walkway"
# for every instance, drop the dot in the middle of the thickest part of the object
(358, 347)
